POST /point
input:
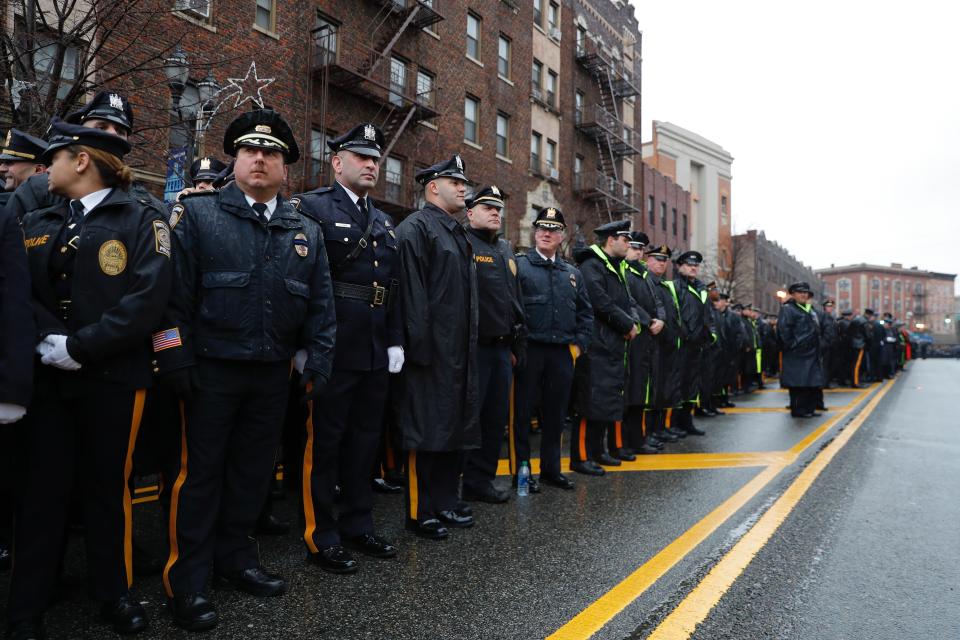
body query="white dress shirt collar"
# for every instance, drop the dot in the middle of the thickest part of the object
(271, 205)
(91, 200)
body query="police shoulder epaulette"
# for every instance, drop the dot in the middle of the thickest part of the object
(197, 194)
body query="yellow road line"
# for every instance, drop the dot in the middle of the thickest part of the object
(674, 461)
(835, 390)
(683, 620)
(814, 435)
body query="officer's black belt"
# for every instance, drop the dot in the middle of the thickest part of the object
(372, 295)
(494, 340)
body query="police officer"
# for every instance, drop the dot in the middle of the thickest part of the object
(697, 331)
(438, 410)
(829, 336)
(858, 347)
(643, 354)
(732, 342)
(752, 350)
(559, 325)
(101, 277)
(665, 387)
(204, 171)
(253, 287)
(601, 372)
(800, 339)
(346, 420)
(20, 159)
(500, 343)
(710, 359)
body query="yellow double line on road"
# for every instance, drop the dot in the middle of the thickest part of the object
(604, 609)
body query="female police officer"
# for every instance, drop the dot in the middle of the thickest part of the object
(101, 275)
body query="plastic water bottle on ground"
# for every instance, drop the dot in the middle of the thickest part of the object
(523, 480)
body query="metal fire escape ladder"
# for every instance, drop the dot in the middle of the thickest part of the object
(391, 120)
(385, 52)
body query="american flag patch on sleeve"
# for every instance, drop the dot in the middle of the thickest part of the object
(166, 339)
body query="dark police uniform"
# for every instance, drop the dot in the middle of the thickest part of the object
(101, 275)
(500, 333)
(710, 358)
(665, 384)
(802, 373)
(346, 420)
(438, 414)
(559, 324)
(696, 332)
(250, 292)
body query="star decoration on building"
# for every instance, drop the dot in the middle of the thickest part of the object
(248, 87)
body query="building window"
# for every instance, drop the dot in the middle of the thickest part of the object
(581, 40)
(627, 191)
(663, 216)
(536, 75)
(266, 15)
(577, 165)
(674, 220)
(319, 153)
(473, 36)
(553, 18)
(394, 179)
(503, 57)
(551, 157)
(45, 58)
(875, 284)
(650, 211)
(536, 141)
(538, 12)
(578, 107)
(325, 40)
(425, 87)
(684, 220)
(198, 7)
(471, 120)
(552, 88)
(503, 135)
(398, 81)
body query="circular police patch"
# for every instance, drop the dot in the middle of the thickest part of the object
(113, 257)
(300, 245)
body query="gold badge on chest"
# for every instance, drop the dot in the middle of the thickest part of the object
(113, 257)
(300, 245)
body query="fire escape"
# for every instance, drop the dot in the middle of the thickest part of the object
(362, 64)
(614, 140)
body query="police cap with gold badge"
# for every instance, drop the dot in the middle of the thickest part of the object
(490, 196)
(550, 218)
(452, 168)
(263, 129)
(63, 134)
(799, 287)
(638, 239)
(615, 228)
(365, 139)
(106, 105)
(689, 257)
(22, 147)
(660, 251)
(205, 169)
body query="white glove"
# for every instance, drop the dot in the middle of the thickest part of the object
(44, 347)
(300, 360)
(394, 359)
(58, 356)
(11, 412)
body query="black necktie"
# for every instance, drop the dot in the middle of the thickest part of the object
(76, 214)
(362, 204)
(261, 210)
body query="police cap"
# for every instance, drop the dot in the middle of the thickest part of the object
(615, 228)
(690, 257)
(660, 251)
(63, 134)
(724, 296)
(365, 139)
(550, 218)
(263, 129)
(106, 105)
(205, 169)
(799, 287)
(22, 147)
(490, 196)
(452, 168)
(638, 239)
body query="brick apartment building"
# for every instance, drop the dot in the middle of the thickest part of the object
(761, 268)
(541, 97)
(910, 294)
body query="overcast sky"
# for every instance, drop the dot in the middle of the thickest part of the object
(843, 119)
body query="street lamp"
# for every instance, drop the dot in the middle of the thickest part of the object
(178, 72)
(206, 89)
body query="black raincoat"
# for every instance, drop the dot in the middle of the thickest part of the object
(799, 331)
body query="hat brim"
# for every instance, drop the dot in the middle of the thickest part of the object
(636, 244)
(100, 115)
(550, 226)
(205, 176)
(261, 141)
(360, 151)
(490, 202)
(12, 158)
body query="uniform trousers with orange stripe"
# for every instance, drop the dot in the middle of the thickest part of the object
(343, 435)
(588, 437)
(230, 434)
(543, 383)
(432, 479)
(66, 436)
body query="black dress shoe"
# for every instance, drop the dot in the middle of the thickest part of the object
(813, 414)
(453, 519)
(677, 433)
(607, 460)
(533, 486)
(382, 486)
(587, 467)
(717, 412)
(126, 615)
(431, 529)
(271, 525)
(701, 412)
(488, 494)
(667, 436)
(821, 408)
(193, 612)
(693, 431)
(5, 557)
(463, 509)
(560, 481)
(728, 405)
(626, 457)
(26, 630)
(628, 451)
(647, 450)
(371, 545)
(334, 559)
(254, 581)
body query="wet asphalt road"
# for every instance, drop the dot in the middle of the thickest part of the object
(530, 566)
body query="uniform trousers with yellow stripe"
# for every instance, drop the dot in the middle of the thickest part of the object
(76, 428)
(432, 478)
(230, 434)
(343, 435)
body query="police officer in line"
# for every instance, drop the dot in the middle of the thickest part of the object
(204, 172)
(710, 360)
(636, 437)
(697, 331)
(802, 372)
(438, 415)
(857, 358)
(601, 373)
(501, 340)
(732, 342)
(253, 287)
(752, 350)
(101, 277)
(20, 159)
(346, 419)
(559, 322)
(665, 386)
(829, 337)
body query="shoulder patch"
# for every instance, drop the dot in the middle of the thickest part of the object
(175, 214)
(161, 238)
(295, 202)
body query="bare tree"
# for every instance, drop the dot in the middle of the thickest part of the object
(733, 271)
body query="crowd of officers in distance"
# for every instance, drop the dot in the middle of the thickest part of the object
(196, 341)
